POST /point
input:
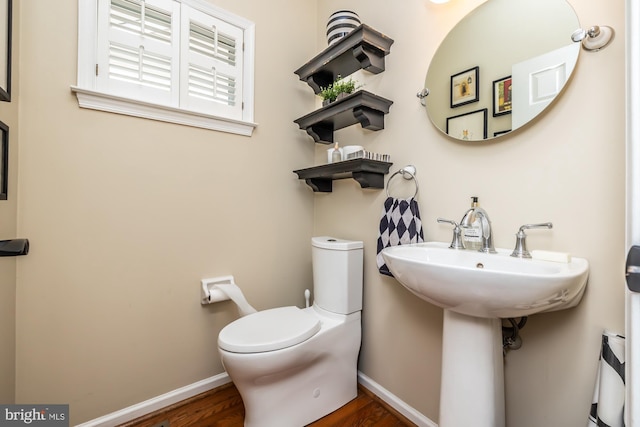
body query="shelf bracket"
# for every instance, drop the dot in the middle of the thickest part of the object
(369, 179)
(319, 185)
(319, 80)
(369, 118)
(370, 60)
(321, 133)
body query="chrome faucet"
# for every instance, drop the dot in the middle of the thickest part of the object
(485, 223)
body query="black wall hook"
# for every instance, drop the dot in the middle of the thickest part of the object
(14, 247)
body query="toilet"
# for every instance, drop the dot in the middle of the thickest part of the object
(293, 366)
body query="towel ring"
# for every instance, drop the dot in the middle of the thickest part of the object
(407, 172)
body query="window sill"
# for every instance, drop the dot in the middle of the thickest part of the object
(114, 104)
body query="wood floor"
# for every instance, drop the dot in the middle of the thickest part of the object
(222, 407)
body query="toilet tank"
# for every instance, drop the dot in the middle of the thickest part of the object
(337, 274)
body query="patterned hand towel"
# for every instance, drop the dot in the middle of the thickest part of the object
(400, 225)
(607, 408)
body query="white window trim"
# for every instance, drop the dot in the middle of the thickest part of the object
(97, 100)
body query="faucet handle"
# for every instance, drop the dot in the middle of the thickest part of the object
(456, 242)
(520, 251)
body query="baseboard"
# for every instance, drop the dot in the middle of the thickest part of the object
(186, 392)
(396, 403)
(159, 402)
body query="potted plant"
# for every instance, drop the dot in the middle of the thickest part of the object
(338, 89)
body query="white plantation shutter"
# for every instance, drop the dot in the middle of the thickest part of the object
(140, 51)
(180, 61)
(212, 65)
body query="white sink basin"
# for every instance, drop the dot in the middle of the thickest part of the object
(476, 291)
(486, 285)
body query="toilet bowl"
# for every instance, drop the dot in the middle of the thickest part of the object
(293, 366)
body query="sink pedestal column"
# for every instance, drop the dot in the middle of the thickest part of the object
(472, 385)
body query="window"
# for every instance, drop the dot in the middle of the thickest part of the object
(181, 61)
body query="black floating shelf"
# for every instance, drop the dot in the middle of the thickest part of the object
(360, 107)
(363, 48)
(368, 173)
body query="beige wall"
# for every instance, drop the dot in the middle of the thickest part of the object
(8, 225)
(567, 168)
(126, 215)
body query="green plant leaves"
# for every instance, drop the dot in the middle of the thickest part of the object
(339, 86)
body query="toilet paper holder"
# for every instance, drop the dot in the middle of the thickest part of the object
(222, 289)
(210, 294)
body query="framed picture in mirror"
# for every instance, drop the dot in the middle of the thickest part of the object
(4, 160)
(468, 126)
(502, 96)
(5, 50)
(464, 87)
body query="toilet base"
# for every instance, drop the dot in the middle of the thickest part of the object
(304, 403)
(295, 386)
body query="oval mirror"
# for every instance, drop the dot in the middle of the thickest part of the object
(500, 67)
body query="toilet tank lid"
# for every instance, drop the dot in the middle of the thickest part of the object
(327, 242)
(268, 330)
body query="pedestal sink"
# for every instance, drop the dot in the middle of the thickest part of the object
(476, 290)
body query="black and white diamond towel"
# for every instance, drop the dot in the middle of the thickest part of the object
(400, 224)
(607, 409)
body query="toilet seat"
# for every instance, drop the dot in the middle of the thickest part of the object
(268, 330)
